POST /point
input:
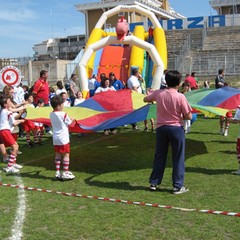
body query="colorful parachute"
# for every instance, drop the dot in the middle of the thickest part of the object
(103, 111)
(213, 102)
(112, 109)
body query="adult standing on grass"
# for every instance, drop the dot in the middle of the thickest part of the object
(172, 109)
(219, 80)
(41, 88)
(73, 88)
(219, 83)
(41, 91)
(134, 84)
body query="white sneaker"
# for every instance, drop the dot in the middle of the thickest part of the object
(17, 166)
(225, 133)
(67, 176)
(106, 132)
(236, 172)
(58, 175)
(180, 190)
(10, 169)
(50, 132)
(19, 152)
(221, 131)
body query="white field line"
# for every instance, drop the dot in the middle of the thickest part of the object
(20, 213)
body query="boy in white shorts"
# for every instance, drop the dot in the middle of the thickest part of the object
(61, 141)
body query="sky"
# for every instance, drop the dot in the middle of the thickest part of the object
(24, 23)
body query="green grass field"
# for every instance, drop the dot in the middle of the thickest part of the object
(118, 166)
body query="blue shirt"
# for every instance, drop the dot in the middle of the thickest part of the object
(117, 84)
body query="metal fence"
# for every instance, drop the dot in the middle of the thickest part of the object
(208, 66)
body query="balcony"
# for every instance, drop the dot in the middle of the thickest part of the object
(222, 3)
(152, 5)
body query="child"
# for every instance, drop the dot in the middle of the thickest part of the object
(60, 122)
(28, 125)
(151, 119)
(39, 128)
(60, 88)
(187, 123)
(66, 102)
(6, 122)
(52, 92)
(172, 109)
(206, 84)
(224, 125)
(235, 120)
(79, 99)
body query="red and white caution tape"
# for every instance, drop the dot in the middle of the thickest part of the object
(121, 201)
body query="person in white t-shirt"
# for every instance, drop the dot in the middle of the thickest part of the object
(61, 141)
(105, 86)
(79, 98)
(133, 82)
(60, 88)
(18, 95)
(7, 121)
(93, 84)
(66, 102)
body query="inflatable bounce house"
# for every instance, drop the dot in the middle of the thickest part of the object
(121, 51)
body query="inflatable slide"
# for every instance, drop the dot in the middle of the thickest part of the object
(107, 52)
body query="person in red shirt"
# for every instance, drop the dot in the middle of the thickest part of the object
(191, 81)
(41, 88)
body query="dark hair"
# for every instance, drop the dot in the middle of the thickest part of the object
(193, 74)
(102, 76)
(43, 72)
(6, 91)
(3, 101)
(173, 78)
(26, 96)
(73, 75)
(56, 101)
(60, 85)
(134, 71)
(24, 86)
(40, 101)
(111, 74)
(185, 84)
(103, 82)
(51, 89)
(220, 71)
(62, 93)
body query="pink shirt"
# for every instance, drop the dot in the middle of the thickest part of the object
(171, 106)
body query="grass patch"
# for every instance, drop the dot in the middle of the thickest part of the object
(119, 167)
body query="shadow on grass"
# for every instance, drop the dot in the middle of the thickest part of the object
(119, 185)
(228, 152)
(208, 171)
(204, 133)
(223, 141)
(99, 154)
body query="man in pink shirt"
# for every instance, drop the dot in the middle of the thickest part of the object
(172, 109)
